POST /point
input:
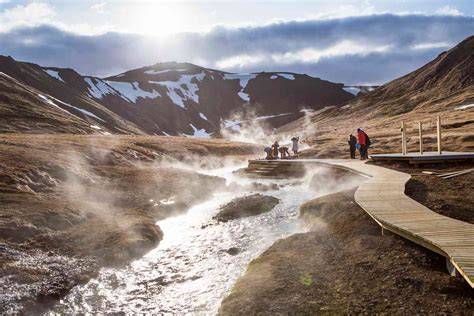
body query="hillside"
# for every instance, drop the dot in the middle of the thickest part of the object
(166, 98)
(444, 86)
(31, 94)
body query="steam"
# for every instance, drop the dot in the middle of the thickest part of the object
(248, 127)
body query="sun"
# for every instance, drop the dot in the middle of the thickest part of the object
(159, 19)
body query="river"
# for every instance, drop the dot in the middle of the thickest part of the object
(190, 271)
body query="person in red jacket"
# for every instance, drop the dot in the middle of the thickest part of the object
(361, 140)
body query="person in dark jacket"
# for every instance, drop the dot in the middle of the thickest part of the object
(284, 153)
(352, 145)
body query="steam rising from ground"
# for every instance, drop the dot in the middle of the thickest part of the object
(248, 127)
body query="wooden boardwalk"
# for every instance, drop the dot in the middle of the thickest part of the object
(383, 197)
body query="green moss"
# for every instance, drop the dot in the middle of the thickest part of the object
(306, 280)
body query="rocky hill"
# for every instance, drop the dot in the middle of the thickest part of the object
(444, 86)
(164, 99)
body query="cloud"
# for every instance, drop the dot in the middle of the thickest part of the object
(32, 14)
(99, 7)
(448, 10)
(363, 49)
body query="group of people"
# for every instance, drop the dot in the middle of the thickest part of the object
(276, 151)
(361, 142)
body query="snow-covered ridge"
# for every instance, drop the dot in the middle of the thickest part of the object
(286, 76)
(54, 74)
(156, 72)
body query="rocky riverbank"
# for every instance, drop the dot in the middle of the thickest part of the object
(344, 265)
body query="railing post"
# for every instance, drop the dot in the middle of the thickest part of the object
(404, 139)
(439, 135)
(420, 126)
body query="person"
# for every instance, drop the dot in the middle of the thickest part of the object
(352, 145)
(284, 152)
(361, 141)
(275, 147)
(294, 148)
(268, 151)
(367, 144)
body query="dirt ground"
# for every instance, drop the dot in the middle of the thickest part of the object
(453, 197)
(344, 265)
(71, 204)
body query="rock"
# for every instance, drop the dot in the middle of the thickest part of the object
(233, 251)
(249, 205)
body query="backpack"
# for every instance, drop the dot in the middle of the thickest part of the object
(367, 140)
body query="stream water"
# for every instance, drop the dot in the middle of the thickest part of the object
(191, 271)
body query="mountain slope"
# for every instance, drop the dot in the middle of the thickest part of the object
(50, 86)
(178, 98)
(444, 86)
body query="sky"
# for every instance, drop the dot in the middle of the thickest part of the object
(353, 42)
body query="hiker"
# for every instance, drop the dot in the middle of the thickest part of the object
(284, 152)
(352, 145)
(294, 148)
(275, 147)
(268, 151)
(363, 141)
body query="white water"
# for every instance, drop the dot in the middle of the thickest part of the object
(190, 271)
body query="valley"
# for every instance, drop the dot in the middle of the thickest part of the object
(113, 190)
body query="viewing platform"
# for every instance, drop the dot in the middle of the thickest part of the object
(426, 157)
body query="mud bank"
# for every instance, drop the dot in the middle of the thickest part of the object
(70, 205)
(344, 265)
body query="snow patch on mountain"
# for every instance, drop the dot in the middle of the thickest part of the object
(288, 76)
(199, 133)
(243, 81)
(185, 88)
(203, 116)
(270, 116)
(273, 77)
(132, 91)
(232, 124)
(54, 74)
(353, 90)
(50, 100)
(466, 106)
(156, 72)
(99, 88)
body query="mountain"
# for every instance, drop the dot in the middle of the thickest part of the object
(444, 86)
(33, 100)
(169, 98)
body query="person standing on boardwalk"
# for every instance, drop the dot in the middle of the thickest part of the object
(352, 145)
(362, 143)
(295, 146)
